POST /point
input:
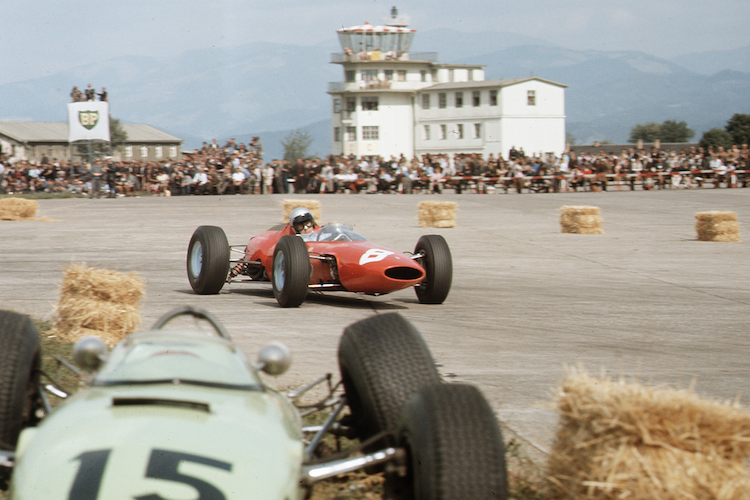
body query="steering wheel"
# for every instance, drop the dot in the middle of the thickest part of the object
(196, 313)
(342, 237)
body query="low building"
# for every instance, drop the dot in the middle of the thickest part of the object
(394, 101)
(32, 141)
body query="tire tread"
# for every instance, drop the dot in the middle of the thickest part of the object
(462, 452)
(384, 361)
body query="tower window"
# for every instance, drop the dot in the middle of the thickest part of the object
(351, 134)
(369, 103)
(370, 133)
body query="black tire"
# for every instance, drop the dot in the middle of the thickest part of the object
(438, 264)
(20, 361)
(383, 361)
(454, 444)
(291, 271)
(208, 260)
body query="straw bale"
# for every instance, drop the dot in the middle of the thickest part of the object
(437, 213)
(717, 226)
(110, 321)
(312, 205)
(618, 440)
(581, 219)
(98, 301)
(18, 209)
(105, 285)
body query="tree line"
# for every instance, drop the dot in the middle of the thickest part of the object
(735, 132)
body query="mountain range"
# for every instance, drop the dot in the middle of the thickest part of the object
(269, 89)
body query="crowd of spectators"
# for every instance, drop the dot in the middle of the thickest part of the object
(88, 94)
(240, 169)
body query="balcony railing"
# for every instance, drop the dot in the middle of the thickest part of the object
(379, 56)
(376, 85)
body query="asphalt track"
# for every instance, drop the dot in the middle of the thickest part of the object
(644, 300)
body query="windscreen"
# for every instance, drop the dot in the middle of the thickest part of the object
(339, 232)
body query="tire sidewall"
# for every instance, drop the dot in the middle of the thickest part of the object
(296, 268)
(215, 260)
(438, 265)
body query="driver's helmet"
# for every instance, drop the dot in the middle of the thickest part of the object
(299, 217)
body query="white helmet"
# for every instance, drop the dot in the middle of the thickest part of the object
(299, 217)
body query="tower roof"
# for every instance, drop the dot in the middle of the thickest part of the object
(394, 36)
(371, 28)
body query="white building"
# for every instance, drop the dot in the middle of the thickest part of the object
(393, 101)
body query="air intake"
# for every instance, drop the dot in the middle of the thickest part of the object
(403, 273)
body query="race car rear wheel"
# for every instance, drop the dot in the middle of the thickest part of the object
(291, 271)
(454, 444)
(383, 361)
(20, 361)
(208, 260)
(438, 265)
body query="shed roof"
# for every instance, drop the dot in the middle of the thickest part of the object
(58, 132)
(35, 131)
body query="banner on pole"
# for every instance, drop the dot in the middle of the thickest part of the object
(88, 121)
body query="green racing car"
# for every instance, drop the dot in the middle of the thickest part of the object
(181, 413)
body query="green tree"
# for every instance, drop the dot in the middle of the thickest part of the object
(646, 133)
(674, 131)
(716, 137)
(296, 145)
(669, 131)
(117, 134)
(739, 127)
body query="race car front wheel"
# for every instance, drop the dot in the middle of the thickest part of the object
(208, 260)
(291, 271)
(383, 361)
(438, 265)
(20, 361)
(454, 444)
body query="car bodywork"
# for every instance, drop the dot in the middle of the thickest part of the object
(332, 258)
(154, 421)
(341, 260)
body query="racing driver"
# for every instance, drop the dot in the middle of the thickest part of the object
(303, 223)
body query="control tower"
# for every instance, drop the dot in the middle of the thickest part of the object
(373, 108)
(394, 101)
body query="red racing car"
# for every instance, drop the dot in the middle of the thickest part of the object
(327, 258)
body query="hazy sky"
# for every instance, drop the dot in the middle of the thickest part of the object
(45, 36)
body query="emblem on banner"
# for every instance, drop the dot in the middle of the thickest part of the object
(88, 118)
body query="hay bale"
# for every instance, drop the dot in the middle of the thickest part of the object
(717, 226)
(18, 209)
(581, 219)
(98, 301)
(618, 440)
(437, 213)
(312, 205)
